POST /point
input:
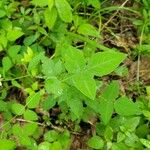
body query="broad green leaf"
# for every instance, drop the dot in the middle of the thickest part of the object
(65, 139)
(51, 68)
(53, 86)
(6, 24)
(51, 136)
(145, 142)
(125, 107)
(108, 134)
(33, 100)
(17, 130)
(103, 63)
(3, 106)
(18, 109)
(30, 115)
(64, 10)
(44, 146)
(130, 124)
(132, 140)
(142, 130)
(120, 136)
(85, 84)
(88, 29)
(2, 13)
(146, 113)
(7, 144)
(111, 92)
(56, 146)
(48, 103)
(51, 4)
(119, 146)
(76, 107)
(107, 101)
(7, 63)
(29, 40)
(3, 42)
(48, 67)
(25, 141)
(106, 110)
(50, 17)
(29, 128)
(13, 51)
(40, 3)
(14, 34)
(74, 59)
(96, 142)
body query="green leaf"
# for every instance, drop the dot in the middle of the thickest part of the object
(48, 103)
(18, 109)
(51, 136)
(64, 10)
(33, 100)
(54, 86)
(106, 110)
(107, 101)
(103, 63)
(76, 107)
(96, 142)
(50, 4)
(7, 63)
(120, 136)
(30, 115)
(74, 59)
(111, 92)
(56, 146)
(145, 142)
(125, 107)
(14, 34)
(51, 68)
(29, 128)
(44, 146)
(6, 24)
(50, 17)
(130, 124)
(7, 144)
(3, 106)
(2, 13)
(13, 51)
(35, 61)
(40, 3)
(88, 29)
(85, 84)
(30, 39)
(108, 134)
(65, 139)
(119, 146)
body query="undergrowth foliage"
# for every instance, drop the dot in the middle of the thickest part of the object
(56, 75)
